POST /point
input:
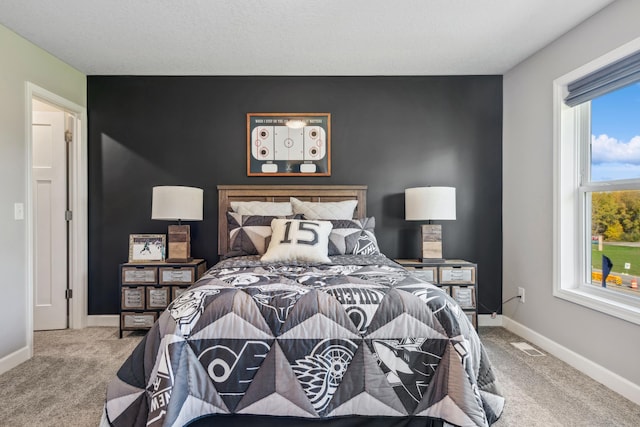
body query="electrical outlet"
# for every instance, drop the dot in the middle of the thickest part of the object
(521, 294)
(18, 211)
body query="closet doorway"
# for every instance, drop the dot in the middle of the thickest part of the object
(56, 211)
(52, 132)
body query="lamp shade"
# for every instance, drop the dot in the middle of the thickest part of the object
(173, 203)
(426, 203)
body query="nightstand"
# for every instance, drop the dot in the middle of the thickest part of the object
(147, 288)
(457, 277)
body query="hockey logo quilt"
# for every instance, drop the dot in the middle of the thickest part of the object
(360, 336)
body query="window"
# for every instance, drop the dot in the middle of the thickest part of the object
(597, 186)
(613, 217)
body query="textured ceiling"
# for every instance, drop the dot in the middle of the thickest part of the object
(294, 37)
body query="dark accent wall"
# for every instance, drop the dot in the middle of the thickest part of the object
(389, 133)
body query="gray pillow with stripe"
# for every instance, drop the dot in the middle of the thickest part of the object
(249, 234)
(353, 236)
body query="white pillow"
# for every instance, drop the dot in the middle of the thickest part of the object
(324, 210)
(262, 208)
(298, 240)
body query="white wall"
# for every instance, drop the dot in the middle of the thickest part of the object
(528, 189)
(21, 62)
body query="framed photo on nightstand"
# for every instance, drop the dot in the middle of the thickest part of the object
(146, 247)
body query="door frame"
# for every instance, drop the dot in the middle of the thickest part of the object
(78, 204)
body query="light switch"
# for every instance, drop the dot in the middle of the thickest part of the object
(18, 211)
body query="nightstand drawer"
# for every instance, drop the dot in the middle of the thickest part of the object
(473, 318)
(176, 291)
(463, 275)
(428, 274)
(138, 320)
(177, 275)
(158, 297)
(139, 275)
(465, 296)
(133, 298)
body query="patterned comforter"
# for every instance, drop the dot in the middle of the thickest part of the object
(360, 336)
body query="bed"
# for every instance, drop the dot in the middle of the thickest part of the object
(304, 322)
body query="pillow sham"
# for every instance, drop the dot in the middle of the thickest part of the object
(353, 237)
(298, 240)
(324, 210)
(249, 234)
(262, 208)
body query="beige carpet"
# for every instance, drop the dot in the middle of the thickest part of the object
(64, 384)
(546, 392)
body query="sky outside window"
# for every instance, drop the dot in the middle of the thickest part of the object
(615, 135)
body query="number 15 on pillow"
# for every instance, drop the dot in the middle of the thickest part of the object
(298, 240)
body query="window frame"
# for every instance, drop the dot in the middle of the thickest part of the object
(571, 207)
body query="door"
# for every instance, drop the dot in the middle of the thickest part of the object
(50, 227)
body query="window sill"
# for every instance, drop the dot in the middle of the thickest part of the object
(602, 300)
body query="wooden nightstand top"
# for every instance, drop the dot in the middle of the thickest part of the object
(417, 263)
(191, 263)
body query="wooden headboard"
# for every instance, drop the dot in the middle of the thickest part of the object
(281, 193)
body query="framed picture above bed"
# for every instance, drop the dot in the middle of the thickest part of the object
(288, 144)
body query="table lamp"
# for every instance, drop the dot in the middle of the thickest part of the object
(176, 203)
(426, 204)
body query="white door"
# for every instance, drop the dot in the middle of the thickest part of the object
(50, 226)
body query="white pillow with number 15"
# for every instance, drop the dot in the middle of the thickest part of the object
(298, 240)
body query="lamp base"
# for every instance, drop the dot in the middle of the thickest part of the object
(432, 260)
(179, 260)
(179, 244)
(431, 242)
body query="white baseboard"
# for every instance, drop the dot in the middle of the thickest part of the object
(599, 373)
(12, 360)
(108, 320)
(487, 320)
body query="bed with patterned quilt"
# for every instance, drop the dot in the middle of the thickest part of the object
(305, 323)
